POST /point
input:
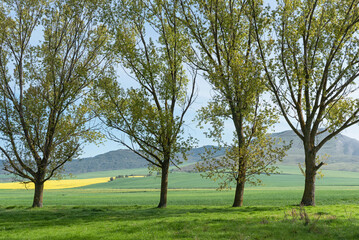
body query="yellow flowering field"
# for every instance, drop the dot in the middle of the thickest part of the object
(56, 184)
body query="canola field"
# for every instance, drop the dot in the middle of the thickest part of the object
(56, 184)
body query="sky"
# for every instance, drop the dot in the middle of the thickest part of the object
(205, 93)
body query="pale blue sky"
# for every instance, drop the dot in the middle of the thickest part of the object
(204, 94)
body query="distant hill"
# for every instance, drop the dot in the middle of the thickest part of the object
(118, 159)
(342, 151)
(122, 159)
(343, 155)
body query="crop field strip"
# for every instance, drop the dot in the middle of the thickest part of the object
(290, 178)
(55, 184)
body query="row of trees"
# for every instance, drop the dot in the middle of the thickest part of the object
(303, 53)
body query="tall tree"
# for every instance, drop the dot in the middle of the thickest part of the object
(223, 34)
(43, 112)
(313, 71)
(151, 114)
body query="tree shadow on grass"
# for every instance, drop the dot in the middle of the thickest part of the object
(136, 222)
(47, 216)
(69, 215)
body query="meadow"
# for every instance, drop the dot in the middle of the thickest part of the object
(125, 209)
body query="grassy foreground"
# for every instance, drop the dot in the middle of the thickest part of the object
(125, 209)
(180, 222)
(269, 213)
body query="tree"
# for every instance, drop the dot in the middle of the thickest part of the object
(223, 33)
(150, 115)
(260, 151)
(313, 71)
(43, 112)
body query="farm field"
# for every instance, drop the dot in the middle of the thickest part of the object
(55, 184)
(125, 209)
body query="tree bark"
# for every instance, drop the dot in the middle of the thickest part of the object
(38, 195)
(242, 166)
(164, 186)
(308, 198)
(238, 197)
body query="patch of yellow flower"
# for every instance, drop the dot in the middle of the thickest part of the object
(137, 176)
(56, 184)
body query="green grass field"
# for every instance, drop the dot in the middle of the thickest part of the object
(125, 209)
(180, 222)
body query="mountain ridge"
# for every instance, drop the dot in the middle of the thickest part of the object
(343, 154)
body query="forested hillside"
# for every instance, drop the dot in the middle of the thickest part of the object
(121, 159)
(342, 151)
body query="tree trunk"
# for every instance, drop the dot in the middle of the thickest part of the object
(308, 198)
(38, 196)
(164, 186)
(242, 166)
(238, 197)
